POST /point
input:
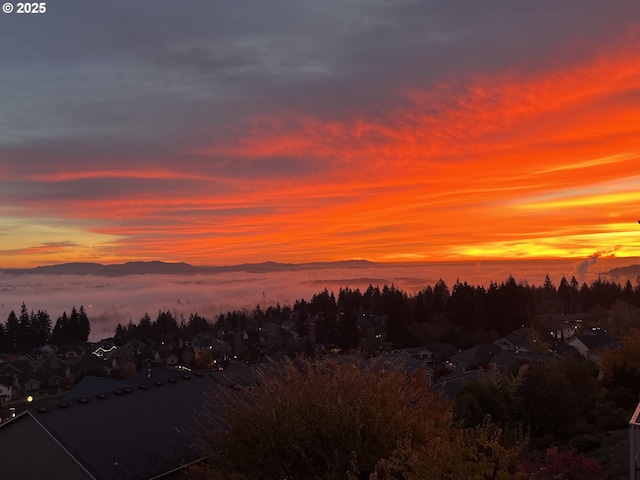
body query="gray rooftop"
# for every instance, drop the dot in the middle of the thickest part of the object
(138, 431)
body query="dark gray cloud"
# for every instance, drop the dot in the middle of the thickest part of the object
(153, 71)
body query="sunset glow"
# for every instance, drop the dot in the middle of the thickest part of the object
(503, 155)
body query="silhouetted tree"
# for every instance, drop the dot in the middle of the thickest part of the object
(165, 326)
(41, 326)
(300, 307)
(462, 304)
(197, 324)
(120, 336)
(396, 307)
(325, 309)
(24, 340)
(60, 334)
(348, 329)
(84, 326)
(441, 296)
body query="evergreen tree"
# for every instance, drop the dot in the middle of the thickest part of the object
(84, 326)
(565, 295)
(166, 325)
(323, 306)
(4, 341)
(349, 332)
(24, 340)
(120, 335)
(60, 334)
(11, 331)
(41, 326)
(301, 320)
(197, 324)
(398, 317)
(144, 327)
(441, 296)
(73, 333)
(461, 305)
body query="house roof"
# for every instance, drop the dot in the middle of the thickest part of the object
(479, 355)
(506, 357)
(561, 348)
(441, 351)
(91, 386)
(599, 339)
(133, 432)
(24, 435)
(517, 338)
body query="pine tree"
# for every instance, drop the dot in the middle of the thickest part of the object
(60, 334)
(41, 326)
(24, 341)
(11, 331)
(73, 334)
(349, 332)
(84, 326)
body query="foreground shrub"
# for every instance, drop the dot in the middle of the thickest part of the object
(331, 420)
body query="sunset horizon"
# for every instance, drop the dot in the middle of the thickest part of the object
(317, 133)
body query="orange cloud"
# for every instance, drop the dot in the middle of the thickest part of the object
(507, 165)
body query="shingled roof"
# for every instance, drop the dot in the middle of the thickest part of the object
(135, 432)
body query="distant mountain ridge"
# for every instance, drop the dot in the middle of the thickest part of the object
(166, 268)
(620, 272)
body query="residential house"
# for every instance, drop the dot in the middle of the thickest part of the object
(41, 353)
(474, 357)
(30, 382)
(202, 342)
(6, 388)
(505, 358)
(518, 340)
(103, 348)
(592, 343)
(422, 354)
(409, 363)
(441, 352)
(71, 353)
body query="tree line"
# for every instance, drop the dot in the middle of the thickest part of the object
(20, 333)
(165, 327)
(463, 315)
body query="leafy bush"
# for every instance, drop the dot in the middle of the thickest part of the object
(331, 420)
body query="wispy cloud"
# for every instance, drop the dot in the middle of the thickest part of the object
(300, 131)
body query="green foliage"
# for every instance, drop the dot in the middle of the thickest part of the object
(476, 400)
(558, 399)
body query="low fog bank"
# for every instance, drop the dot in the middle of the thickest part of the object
(112, 300)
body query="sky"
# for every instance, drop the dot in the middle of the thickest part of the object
(225, 132)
